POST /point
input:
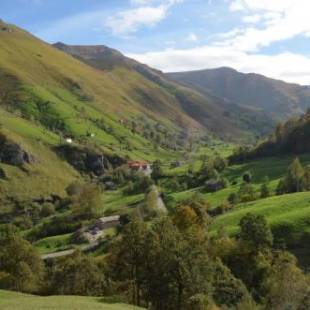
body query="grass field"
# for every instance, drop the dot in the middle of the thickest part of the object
(292, 211)
(274, 168)
(17, 301)
(53, 244)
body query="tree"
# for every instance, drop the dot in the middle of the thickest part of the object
(88, 203)
(77, 274)
(288, 287)
(208, 171)
(21, 266)
(255, 231)
(264, 190)
(233, 198)
(74, 188)
(246, 192)
(247, 177)
(219, 163)
(157, 170)
(185, 217)
(129, 258)
(150, 207)
(294, 180)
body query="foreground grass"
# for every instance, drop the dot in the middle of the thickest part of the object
(17, 301)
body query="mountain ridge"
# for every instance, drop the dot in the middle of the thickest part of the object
(279, 98)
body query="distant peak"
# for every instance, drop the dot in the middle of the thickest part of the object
(226, 69)
(59, 44)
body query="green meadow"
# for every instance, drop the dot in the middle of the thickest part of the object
(18, 301)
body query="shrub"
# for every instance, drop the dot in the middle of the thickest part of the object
(47, 209)
(21, 266)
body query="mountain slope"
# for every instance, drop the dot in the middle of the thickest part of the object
(47, 95)
(117, 111)
(209, 110)
(279, 99)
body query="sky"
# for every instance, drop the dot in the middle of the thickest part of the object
(270, 37)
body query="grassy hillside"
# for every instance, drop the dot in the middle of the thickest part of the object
(130, 111)
(292, 211)
(288, 215)
(34, 74)
(17, 301)
(225, 121)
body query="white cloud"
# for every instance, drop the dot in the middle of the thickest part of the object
(277, 20)
(261, 5)
(192, 37)
(264, 22)
(252, 19)
(237, 6)
(129, 21)
(290, 67)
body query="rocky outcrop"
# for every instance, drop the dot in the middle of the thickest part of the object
(2, 174)
(88, 161)
(13, 154)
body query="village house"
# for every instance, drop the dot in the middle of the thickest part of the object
(137, 165)
(140, 165)
(96, 231)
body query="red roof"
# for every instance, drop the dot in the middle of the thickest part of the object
(137, 164)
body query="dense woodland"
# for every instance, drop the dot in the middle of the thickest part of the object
(168, 263)
(290, 137)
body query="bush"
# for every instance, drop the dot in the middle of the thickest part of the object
(233, 198)
(256, 231)
(88, 203)
(77, 274)
(246, 193)
(140, 184)
(21, 266)
(47, 209)
(247, 177)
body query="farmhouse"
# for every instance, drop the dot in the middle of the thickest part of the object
(94, 232)
(138, 165)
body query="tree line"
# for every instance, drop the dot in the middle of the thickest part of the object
(169, 262)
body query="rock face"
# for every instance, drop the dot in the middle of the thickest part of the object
(2, 174)
(88, 161)
(13, 154)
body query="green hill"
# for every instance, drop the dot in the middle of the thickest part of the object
(124, 110)
(228, 121)
(17, 301)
